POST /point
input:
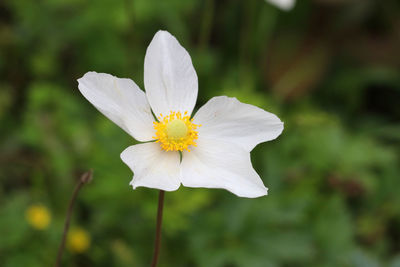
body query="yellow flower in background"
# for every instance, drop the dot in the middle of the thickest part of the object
(38, 216)
(78, 240)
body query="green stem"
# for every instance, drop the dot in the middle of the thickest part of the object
(85, 178)
(157, 241)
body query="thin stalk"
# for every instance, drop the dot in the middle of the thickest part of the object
(157, 241)
(85, 178)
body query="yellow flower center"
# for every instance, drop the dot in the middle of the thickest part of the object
(176, 129)
(175, 132)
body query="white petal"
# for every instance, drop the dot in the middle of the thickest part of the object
(216, 164)
(283, 4)
(225, 118)
(121, 101)
(169, 76)
(152, 166)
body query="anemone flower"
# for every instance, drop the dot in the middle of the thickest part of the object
(283, 4)
(210, 149)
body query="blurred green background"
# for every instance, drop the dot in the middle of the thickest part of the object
(328, 68)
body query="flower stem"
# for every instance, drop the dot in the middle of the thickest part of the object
(85, 178)
(158, 228)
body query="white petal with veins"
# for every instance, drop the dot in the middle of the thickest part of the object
(121, 101)
(226, 118)
(169, 76)
(152, 166)
(221, 164)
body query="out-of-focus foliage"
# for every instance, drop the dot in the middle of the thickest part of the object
(329, 69)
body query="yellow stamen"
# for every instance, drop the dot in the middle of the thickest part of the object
(175, 132)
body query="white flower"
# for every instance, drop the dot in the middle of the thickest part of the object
(211, 150)
(283, 4)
